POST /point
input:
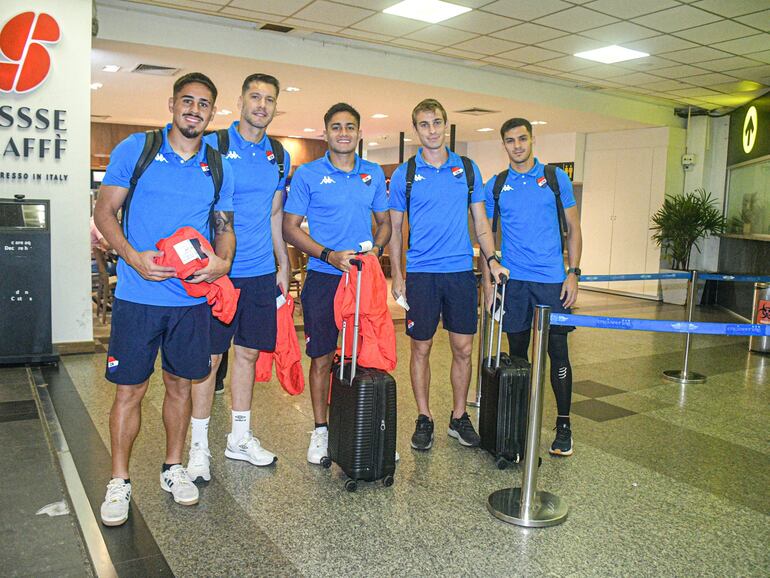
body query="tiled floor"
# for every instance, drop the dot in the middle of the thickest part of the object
(666, 480)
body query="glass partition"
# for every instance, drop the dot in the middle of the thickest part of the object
(748, 199)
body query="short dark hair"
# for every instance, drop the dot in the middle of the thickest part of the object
(512, 123)
(428, 105)
(341, 107)
(259, 77)
(198, 77)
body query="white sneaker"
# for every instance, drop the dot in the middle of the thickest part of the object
(115, 505)
(319, 445)
(198, 463)
(176, 482)
(249, 450)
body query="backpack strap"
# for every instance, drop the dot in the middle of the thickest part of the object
(278, 151)
(553, 184)
(152, 143)
(496, 189)
(411, 169)
(470, 177)
(214, 161)
(223, 140)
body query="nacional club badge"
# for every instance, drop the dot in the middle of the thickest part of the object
(456, 172)
(366, 178)
(270, 156)
(541, 182)
(205, 168)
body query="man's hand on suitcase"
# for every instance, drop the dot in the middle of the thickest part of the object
(341, 260)
(498, 272)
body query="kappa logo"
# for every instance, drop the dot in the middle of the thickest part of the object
(232, 155)
(507, 188)
(22, 43)
(456, 172)
(366, 178)
(541, 182)
(159, 158)
(112, 364)
(327, 180)
(270, 156)
(419, 178)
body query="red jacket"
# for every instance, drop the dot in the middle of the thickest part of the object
(181, 253)
(287, 357)
(377, 336)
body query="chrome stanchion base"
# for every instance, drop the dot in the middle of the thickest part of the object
(472, 404)
(680, 376)
(505, 505)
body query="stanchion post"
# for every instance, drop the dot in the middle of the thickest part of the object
(526, 506)
(685, 376)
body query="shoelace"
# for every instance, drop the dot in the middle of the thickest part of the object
(319, 439)
(562, 434)
(252, 443)
(117, 492)
(465, 423)
(179, 476)
(197, 454)
(424, 425)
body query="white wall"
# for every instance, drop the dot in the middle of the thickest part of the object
(66, 88)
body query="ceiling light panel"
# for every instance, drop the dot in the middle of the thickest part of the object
(431, 11)
(611, 54)
(110, 68)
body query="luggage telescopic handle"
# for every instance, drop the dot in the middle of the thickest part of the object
(357, 263)
(500, 325)
(360, 264)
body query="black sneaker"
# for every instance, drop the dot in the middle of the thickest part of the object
(562, 445)
(219, 387)
(422, 438)
(462, 430)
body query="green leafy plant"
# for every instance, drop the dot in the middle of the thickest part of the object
(682, 221)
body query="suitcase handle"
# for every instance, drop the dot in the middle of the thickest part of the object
(503, 282)
(360, 264)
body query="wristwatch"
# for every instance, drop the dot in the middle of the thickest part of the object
(380, 249)
(493, 256)
(325, 255)
(575, 270)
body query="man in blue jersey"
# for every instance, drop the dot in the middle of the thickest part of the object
(338, 194)
(440, 282)
(152, 310)
(258, 201)
(532, 250)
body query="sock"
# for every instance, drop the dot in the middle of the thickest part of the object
(126, 480)
(562, 420)
(241, 424)
(200, 431)
(320, 425)
(165, 467)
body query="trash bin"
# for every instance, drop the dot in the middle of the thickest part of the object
(761, 315)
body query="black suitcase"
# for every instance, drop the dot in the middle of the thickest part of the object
(362, 416)
(504, 401)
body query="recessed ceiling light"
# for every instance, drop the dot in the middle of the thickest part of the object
(308, 129)
(110, 68)
(96, 85)
(224, 112)
(373, 144)
(294, 136)
(426, 10)
(536, 122)
(485, 129)
(291, 89)
(407, 140)
(611, 54)
(379, 115)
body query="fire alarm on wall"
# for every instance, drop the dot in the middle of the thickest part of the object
(688, 161)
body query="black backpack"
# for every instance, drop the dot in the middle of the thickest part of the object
(151, 148)
(411, 169)
(553, 184)
(223, 137)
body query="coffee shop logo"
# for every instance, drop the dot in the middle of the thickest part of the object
(23, 40)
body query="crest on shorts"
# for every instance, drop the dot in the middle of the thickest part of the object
(112, 364)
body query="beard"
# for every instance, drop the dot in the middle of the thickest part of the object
(190, 132)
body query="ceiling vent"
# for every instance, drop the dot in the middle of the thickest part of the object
(155, 69)
(476, 111)
(277, 28)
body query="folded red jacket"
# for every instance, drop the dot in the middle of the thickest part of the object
(183, 252)
(287, 356)
(377, 336)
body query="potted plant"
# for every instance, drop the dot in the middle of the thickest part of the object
(682, 221)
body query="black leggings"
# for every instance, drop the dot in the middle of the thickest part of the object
(561, 370)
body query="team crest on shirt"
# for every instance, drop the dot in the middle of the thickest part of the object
(112, 364)
(270, 156)
(541, 182)
(205, 168)
(366, 178)
(456, 172)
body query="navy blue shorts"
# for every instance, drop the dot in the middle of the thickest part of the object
(318, 310)
(138, 331)
(451, 296)
(520, 300)
(254, 324)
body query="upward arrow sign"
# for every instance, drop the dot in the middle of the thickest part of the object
(749, 129)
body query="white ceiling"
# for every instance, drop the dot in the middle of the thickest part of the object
(708, 53)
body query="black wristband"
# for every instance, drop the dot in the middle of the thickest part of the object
(325, 254)
(380, 250)
(493, 256)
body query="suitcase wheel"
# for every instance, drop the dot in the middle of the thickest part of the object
(326, 462)
(501, 463)
(351, 485)
(387, 481)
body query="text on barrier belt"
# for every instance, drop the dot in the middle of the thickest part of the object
(680, 275)
(660, 326)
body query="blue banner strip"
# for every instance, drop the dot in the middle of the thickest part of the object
(660, 326)
(680, 275)
(736, 278)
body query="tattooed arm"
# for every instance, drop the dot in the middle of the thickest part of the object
(224, 247)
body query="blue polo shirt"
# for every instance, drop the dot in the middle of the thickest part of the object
(172, 193)
(438, 219)
(338, 205)
(255, 172)
(529, 222)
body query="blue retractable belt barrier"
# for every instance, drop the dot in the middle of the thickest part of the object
(660, 326)
(736, 278)
(635, 277)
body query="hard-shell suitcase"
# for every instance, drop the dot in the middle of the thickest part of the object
(504, 400)
(362, 415)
